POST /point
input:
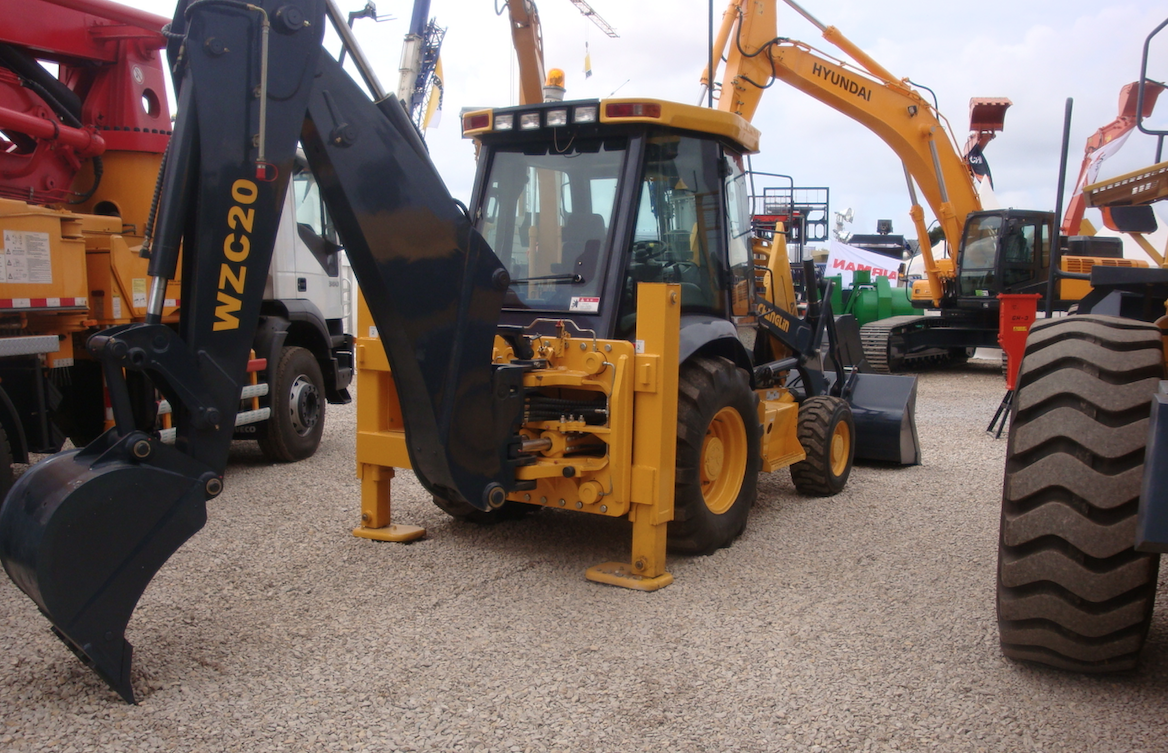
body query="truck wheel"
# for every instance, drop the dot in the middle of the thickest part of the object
(827, 432)
(6, 476)
(718, 456)
(297, 388)
(471, 514)
(1072, 591)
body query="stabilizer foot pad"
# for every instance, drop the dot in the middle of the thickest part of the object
(621, 574)
(392, 532)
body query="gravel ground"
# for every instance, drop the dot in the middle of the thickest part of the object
(860, 622)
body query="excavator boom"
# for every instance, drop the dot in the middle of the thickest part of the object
(84, 532)
(527, 38)
(869, 94)
(1111, 134)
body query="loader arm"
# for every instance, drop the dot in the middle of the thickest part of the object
(84, 532)
(870, 95)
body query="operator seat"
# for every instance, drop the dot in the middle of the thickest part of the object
(583, 235)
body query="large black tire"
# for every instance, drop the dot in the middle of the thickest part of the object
(298, 405)
(1072, 591)
(718, 456)
(827, 432)
(6, 476)
(464, 511)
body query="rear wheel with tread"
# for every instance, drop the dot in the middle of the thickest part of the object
(1072, 591)
(827, 432)
(298, 405)
(718, 456)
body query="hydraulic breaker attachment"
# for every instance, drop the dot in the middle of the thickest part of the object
(84, 534)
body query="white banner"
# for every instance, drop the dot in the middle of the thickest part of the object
(843, 260)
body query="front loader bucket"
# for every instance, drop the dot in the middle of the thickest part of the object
(83, 532)
(884, 407)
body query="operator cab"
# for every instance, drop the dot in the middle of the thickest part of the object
(581, 201)
(1003, 251)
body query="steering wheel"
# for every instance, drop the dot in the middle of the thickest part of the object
(644, 251)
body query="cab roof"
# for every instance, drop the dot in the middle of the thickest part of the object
(585, 114)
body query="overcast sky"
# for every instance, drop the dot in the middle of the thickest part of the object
(1036, 52)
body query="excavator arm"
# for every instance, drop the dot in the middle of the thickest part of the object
(527, 38)
(83, 532)
(869, 94)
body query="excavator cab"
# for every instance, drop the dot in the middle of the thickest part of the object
(1010, 251)
(1003, 251)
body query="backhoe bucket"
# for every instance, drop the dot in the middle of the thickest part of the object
(884, 407)
(83, 532)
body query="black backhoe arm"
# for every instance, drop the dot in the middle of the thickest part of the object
(84, 532)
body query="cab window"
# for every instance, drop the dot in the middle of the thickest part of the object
(678, 236)
(738, 235)
(548, 214)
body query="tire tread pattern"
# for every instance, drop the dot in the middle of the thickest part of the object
(705, 385)
(813, 476)
(1072, 591)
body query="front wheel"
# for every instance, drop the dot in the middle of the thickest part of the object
(294, 429)
(718, 456)
(827, 432)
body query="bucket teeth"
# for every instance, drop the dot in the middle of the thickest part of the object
(111, 664)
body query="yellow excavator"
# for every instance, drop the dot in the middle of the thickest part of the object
(598, 332)
(990, 251)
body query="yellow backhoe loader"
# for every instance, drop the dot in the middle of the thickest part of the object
(598, 332)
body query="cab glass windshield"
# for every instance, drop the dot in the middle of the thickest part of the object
(979, 255)
(548, 216)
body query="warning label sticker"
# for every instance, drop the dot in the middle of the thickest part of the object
(26, 258)
(138, 292)
(581, 303)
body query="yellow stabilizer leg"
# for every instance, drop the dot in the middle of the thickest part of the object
(647, 571)
(619, 574)
(654, 441)
(375, 489)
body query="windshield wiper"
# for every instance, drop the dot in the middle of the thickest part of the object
(571, 279)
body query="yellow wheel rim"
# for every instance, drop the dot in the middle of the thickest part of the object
(841, 444)
(723, 462)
